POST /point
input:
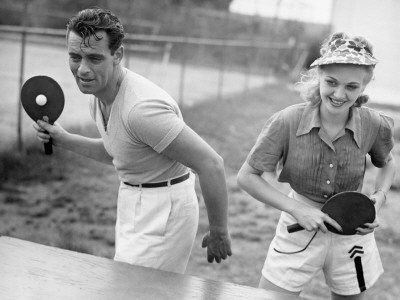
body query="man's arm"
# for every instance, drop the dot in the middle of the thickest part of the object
(192, 151)
(89, 147)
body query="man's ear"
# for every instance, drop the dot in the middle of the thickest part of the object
(118, 55)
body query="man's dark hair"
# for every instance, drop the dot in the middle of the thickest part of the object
(89, 21)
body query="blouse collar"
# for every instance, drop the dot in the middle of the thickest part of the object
(311, 119)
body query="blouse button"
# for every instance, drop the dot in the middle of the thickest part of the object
(330, 165)
(328, 182)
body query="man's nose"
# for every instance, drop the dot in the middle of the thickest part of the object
(83, 67)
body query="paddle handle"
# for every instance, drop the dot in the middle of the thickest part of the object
(294, 227)
(48, 147)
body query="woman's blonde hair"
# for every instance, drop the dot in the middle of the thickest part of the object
(309, 80)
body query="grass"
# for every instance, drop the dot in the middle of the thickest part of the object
(232, 126)
(70, 202)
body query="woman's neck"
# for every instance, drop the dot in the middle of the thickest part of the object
(329, 119)
(333, 124)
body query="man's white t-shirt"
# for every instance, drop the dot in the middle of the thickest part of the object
(144, 120)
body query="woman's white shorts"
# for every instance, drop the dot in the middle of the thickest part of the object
(351, 263)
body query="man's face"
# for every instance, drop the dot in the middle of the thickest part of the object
(92, 66)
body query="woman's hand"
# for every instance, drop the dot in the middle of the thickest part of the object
(312, 219)
(378, 198)
(368, 227)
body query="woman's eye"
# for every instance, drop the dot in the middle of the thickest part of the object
(331, 83)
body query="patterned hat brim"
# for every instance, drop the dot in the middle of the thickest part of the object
(328, 60)
(345, 51)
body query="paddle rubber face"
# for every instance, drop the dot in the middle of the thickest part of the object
(42, 96)
(53, 105)
(351, 210)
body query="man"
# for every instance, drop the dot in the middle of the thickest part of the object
(144, 136)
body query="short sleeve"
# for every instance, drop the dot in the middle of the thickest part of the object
(383, 143)
(155, 123)
(268, 149)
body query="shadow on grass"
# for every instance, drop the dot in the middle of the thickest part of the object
(31, 164)
(68, 240)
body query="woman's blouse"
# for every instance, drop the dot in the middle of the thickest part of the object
(312, 164)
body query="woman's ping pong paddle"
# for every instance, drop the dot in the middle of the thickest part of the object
(350, 209)
(42, 96)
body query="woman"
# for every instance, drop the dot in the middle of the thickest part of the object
(322, 146)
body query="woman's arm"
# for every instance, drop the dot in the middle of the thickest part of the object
(309, 217)
(383, 182)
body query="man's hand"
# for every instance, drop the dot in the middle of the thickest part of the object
(218, 245)
(45, 131)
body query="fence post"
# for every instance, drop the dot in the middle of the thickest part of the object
(185, 44)
(222, 60)
(21, 75)
(250, 55)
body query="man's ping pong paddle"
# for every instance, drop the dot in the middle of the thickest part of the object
(42, 96)
(350, 209)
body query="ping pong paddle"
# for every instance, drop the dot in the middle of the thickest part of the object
(42, 96)
(350, 209)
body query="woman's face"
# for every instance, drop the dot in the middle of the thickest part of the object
(340, 85)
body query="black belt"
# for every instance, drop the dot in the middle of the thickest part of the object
(162, 183)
